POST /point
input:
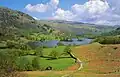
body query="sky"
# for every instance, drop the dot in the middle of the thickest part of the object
(105, 12)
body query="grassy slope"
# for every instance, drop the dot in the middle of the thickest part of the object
(99, 61)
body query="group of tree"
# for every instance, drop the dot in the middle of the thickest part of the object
(8, 67)
(112, 33)
(56, 55)
(108, 40)
(26, 65)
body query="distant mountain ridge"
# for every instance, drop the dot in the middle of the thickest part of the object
(13, 22)
(77, 27)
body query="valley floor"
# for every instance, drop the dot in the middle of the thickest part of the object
(98, 61)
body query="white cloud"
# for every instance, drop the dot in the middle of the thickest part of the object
(63, 15)
(37, 8)
(42, 7)
(93, 11)
(36, 18)
(54, 3)
(84, 12)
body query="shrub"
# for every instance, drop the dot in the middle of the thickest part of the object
(8, 66)
(17, 45)
(35, 63)
(108, 40)
(39, 51)
(24, 64)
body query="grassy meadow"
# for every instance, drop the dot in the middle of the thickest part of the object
(98, 61)
(62, 63)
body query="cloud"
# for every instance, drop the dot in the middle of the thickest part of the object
(115, 5)
(63, 15)
(94, 11)
(42, 7)
(37, 8)
(86, 12)
(36, 18)
(54, 3)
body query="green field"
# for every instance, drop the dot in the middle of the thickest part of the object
(98, 61)
(56, 64)
(62, 63)
(59, 49)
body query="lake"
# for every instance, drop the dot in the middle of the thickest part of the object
(53, 43)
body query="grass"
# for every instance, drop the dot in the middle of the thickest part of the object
(56, 64)
(46, 73)
(99, 59)
(47, 51)
(60, 64)
(61, 73)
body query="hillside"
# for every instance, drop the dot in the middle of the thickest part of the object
(98, 61)
(77, 27)
(13, 22)
(112, 33)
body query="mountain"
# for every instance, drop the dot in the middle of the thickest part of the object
(77, 27)
(16, 23)
(113, 32)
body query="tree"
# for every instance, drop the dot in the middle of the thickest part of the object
(67, 50)
(24, 64)
(54, 54)
(8, 66)
(35, 63)
(39, 51)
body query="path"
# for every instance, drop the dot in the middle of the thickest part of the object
(80, 67)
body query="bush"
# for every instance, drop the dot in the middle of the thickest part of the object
(17, 45)
(24, 64)
(8, 66)
(35, 63)
(39, 51)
